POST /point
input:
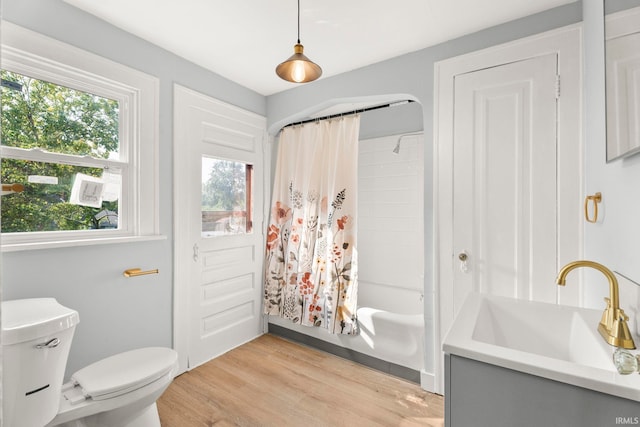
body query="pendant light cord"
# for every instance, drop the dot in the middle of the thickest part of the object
(298, 21)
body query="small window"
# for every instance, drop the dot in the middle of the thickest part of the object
(226, 197)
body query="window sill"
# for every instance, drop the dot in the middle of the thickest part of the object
(80, 242)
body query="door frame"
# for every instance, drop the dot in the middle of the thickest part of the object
(566, 42)
(183, 251)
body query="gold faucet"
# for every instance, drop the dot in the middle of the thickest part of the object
(613, 326)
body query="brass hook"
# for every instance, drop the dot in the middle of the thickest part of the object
(596, 198)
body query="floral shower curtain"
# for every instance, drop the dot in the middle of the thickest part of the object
(311, 256)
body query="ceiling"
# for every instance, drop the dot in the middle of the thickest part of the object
(244, 40)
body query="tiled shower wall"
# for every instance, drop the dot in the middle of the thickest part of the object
(390, 223)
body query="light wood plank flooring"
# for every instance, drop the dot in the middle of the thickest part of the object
(273, 382)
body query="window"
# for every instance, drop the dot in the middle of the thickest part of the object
(46, 128)
(226, 197)
(79, 145)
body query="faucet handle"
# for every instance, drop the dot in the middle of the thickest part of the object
(626, 362)
(619, 331)
(621, 315)
(608, 316)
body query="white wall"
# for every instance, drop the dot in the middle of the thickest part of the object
(390, 224)
(615, 239)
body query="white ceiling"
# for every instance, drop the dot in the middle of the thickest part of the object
(244, 40)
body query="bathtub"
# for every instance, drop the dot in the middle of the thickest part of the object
(391, 325)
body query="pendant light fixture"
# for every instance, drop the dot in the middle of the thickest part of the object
(298, 68)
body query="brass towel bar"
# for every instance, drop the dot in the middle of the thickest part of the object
(133, 272)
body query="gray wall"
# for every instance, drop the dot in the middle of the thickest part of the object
(413, 74)
(116, 314)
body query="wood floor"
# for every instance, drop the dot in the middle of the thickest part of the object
(273, 382)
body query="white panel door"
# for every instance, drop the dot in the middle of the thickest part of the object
(502, 134)
(219, 218)
(504, 181)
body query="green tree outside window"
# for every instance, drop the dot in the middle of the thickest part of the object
(40, 115)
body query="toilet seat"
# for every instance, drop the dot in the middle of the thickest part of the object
(123, 373)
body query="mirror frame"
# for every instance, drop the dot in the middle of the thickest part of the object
(621, 20)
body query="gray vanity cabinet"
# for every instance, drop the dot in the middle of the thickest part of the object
(479, 394)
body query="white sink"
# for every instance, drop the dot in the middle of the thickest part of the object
(548, 340)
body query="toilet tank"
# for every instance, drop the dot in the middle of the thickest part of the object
(36, 338)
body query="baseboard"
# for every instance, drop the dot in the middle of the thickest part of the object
(346, 353)
(428, 381)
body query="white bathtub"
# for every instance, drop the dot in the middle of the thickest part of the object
(393, 336)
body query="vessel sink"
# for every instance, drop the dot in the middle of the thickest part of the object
(548, 340)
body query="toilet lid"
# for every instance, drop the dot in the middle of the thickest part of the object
(125, 372)
(34, 318)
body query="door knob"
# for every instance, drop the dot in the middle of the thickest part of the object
(463, 257)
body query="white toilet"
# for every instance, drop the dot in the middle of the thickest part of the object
(119, 391)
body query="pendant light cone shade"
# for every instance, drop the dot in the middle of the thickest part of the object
(298, 68)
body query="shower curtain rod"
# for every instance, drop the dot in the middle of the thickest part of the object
(361, 110)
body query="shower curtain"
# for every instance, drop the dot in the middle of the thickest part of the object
(311, 256)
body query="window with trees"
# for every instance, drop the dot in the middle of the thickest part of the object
(226, 197)
(78, 155)
(57, 140)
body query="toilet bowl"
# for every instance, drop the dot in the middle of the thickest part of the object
(118, 391)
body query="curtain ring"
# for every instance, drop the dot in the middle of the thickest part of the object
(596, 198)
